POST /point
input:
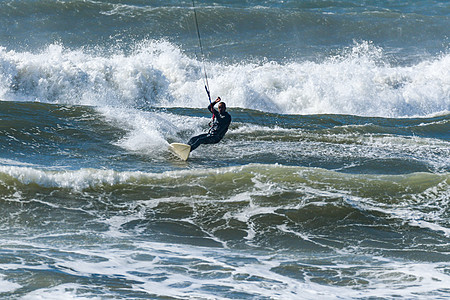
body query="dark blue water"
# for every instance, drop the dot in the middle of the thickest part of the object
(332, 182)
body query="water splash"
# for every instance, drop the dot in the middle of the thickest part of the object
(359, 80)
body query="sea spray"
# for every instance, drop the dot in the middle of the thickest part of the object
(359, 81)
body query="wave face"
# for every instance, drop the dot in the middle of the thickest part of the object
(328, 203)
(333, 181)
(218, 230)
(61, 136)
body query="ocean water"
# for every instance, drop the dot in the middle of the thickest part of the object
(333, 181)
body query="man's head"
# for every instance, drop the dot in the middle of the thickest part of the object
(222, 107)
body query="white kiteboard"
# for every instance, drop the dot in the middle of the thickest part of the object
(180, 150)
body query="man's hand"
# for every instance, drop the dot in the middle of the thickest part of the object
(217, 100)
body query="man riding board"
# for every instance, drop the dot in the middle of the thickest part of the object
(220, 123)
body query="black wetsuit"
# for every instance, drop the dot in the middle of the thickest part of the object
(216, 132)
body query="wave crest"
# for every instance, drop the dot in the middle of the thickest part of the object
(358, 81)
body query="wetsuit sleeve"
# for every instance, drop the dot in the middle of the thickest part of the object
(213, 110)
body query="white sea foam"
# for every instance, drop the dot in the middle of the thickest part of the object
(78, 180)
(68, 291)
(7, 286)
(359, 81)
(5, 161)
(149, 132)
(155, 269)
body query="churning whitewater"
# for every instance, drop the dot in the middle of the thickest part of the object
(359, 80)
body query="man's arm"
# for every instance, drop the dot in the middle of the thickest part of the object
(211, 106)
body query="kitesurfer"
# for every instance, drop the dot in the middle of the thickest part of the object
(221, 121)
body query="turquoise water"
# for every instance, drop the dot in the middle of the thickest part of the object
(332, 182)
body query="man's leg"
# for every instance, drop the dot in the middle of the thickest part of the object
(196, 141)
(202, 139)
